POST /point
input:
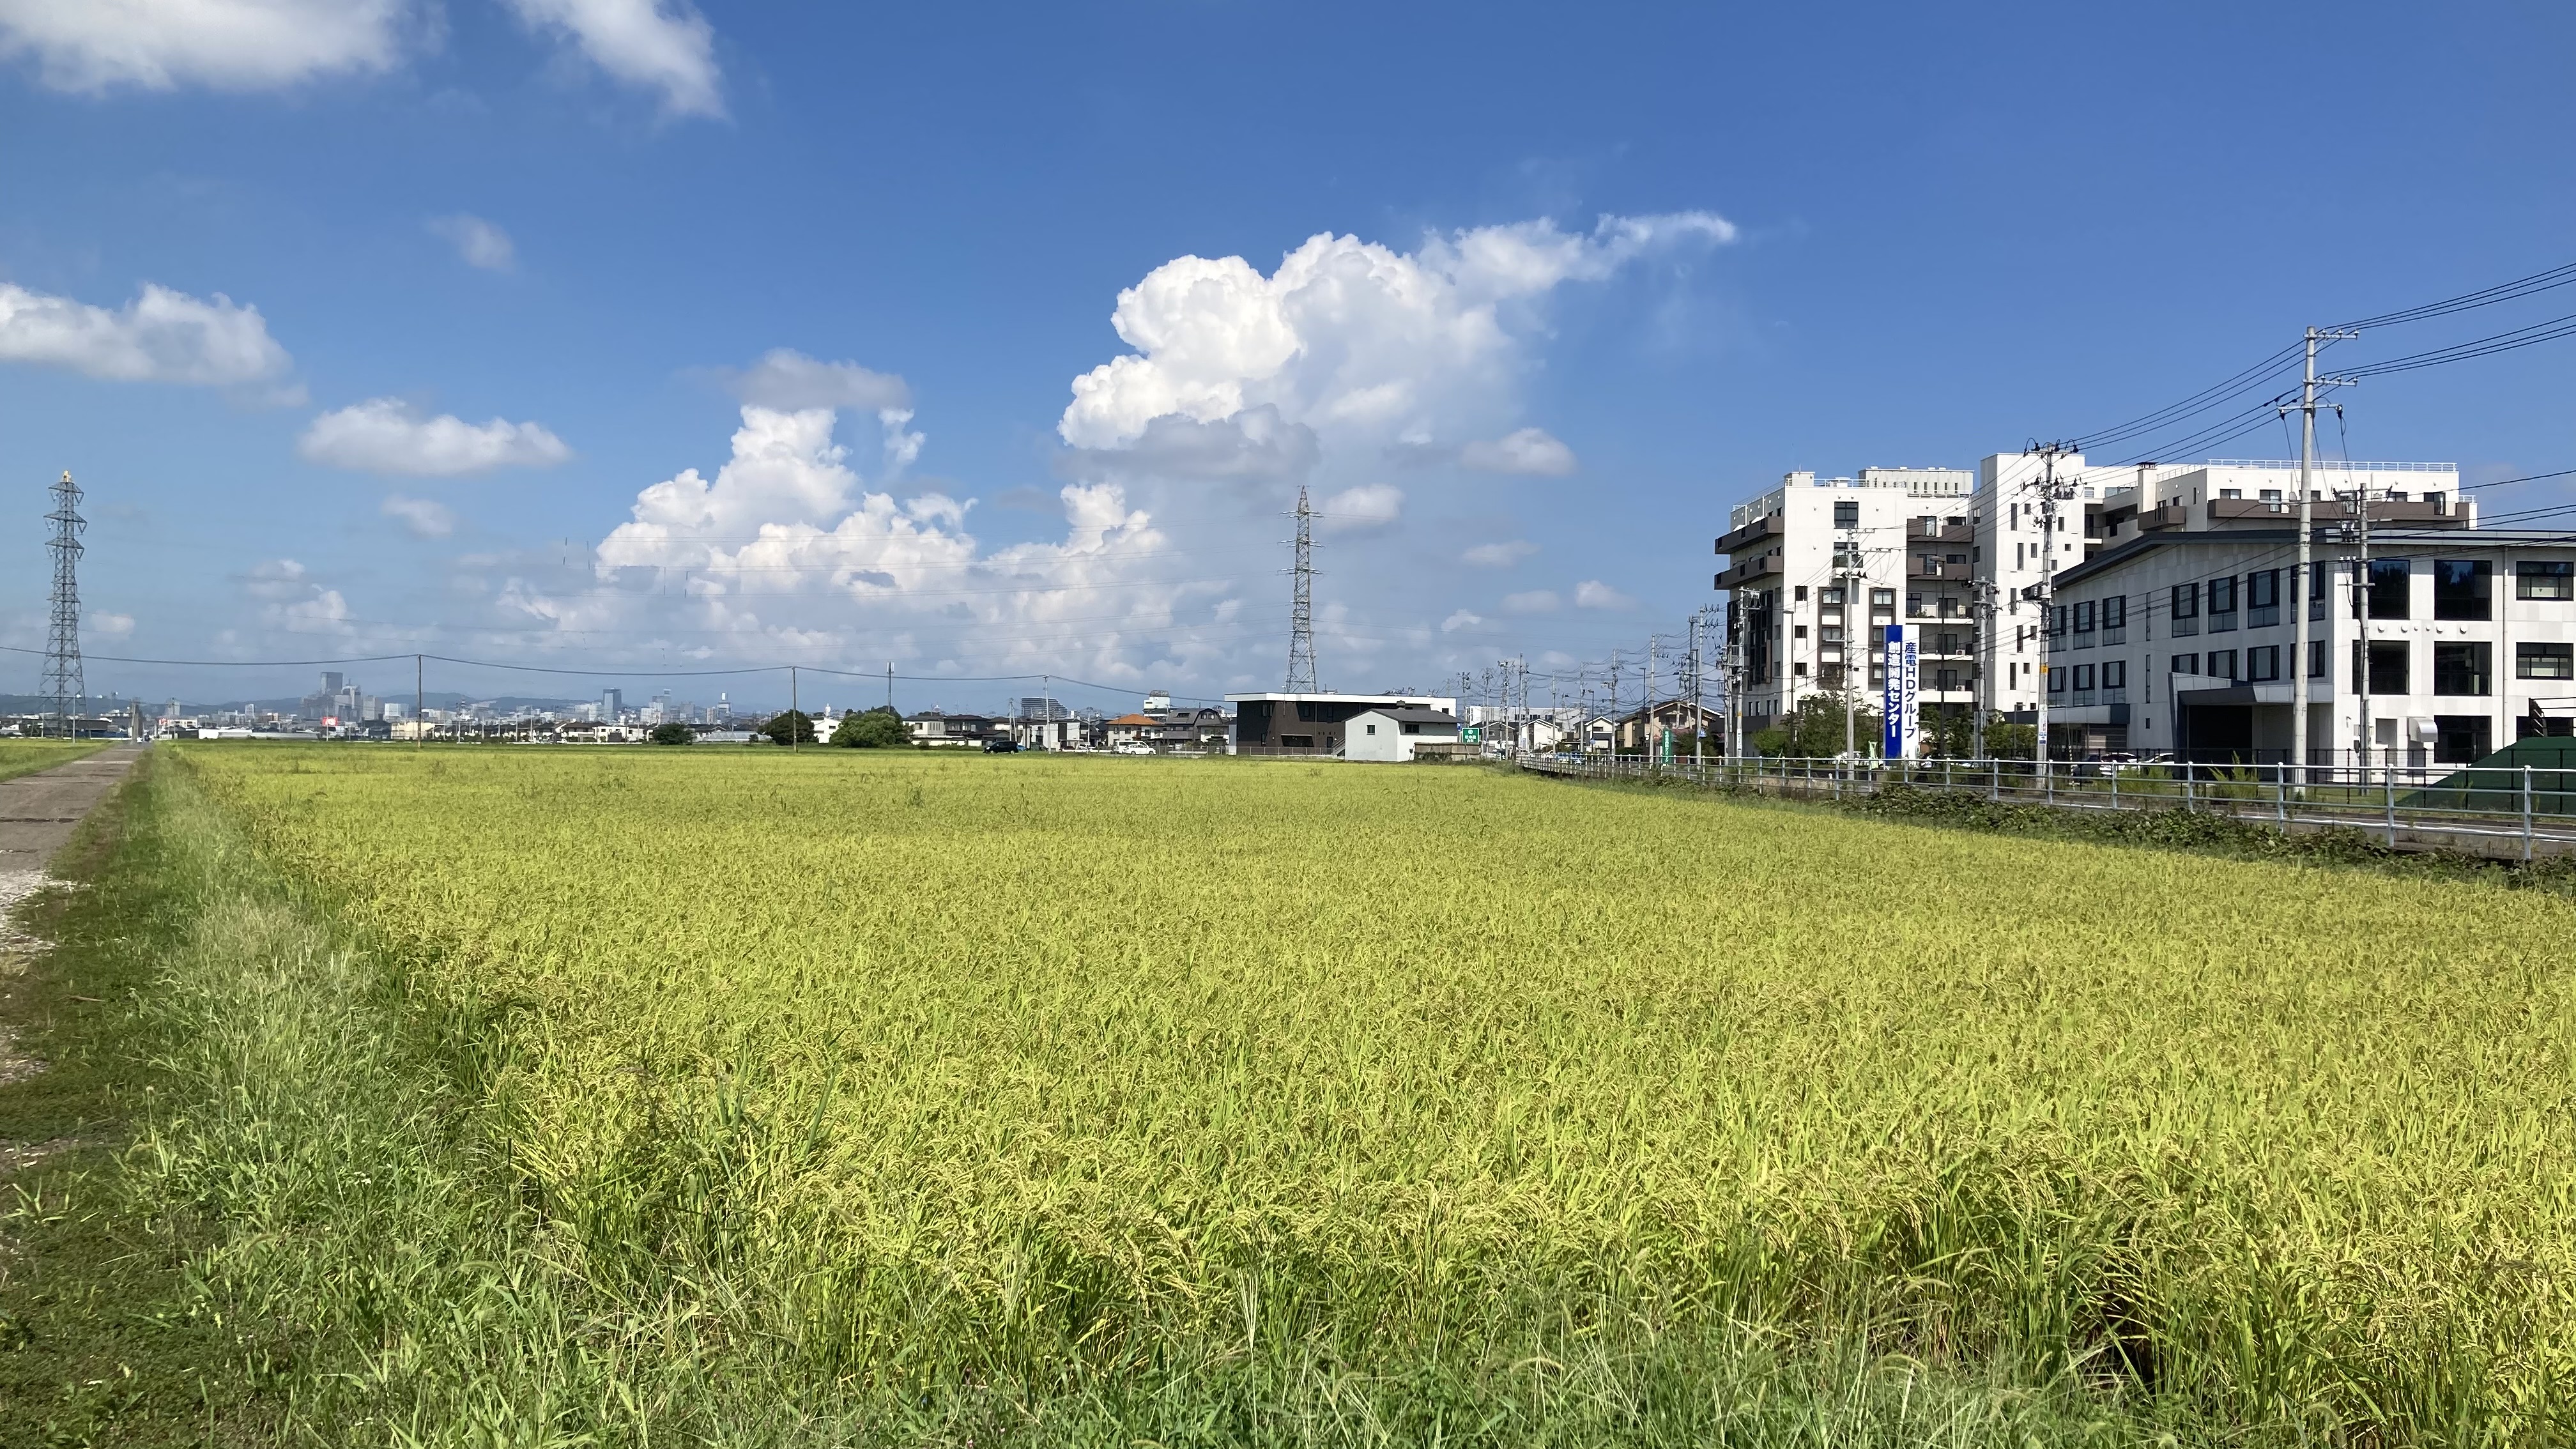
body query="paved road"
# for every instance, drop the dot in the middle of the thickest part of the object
(38, 812)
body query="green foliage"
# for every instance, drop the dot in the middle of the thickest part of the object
(1813, 729)
(794, 726)
(877, 729)
(1278, 1131)
(672, 733)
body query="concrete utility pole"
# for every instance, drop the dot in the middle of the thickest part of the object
(1985, 595)
(2050, 491)
(2305, 581)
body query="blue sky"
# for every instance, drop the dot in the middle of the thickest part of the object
(1587, 276)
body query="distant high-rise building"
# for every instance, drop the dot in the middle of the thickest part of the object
(612, 704)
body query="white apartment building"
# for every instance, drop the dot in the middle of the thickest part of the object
(1817, 570)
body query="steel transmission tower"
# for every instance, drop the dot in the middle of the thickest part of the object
(1301, 608)
(62, 680)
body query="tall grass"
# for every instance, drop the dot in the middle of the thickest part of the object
(956, 1083)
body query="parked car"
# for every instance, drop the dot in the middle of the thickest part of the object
(1131, 747)
(1001, 745)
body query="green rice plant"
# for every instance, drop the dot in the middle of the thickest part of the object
(25, 757)
(933, 1073)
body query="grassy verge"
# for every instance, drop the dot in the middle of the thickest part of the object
(105, 1339)
(296, 1218)
(26, 757)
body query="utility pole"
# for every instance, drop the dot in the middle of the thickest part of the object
(62, 677)
(2361, 601)
(2050, 491)
(890, 687)
(1848, 574)
(1301, 604)
(1614, 702)
(793, 711)
(1985, 596)
(2305, 579)
(419, 697)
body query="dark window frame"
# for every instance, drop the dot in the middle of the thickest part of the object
(2262, 663)
(2463, 588)
(2529, 655)
(2557, 575)
(2464, 670)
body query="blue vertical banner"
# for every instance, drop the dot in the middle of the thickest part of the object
(1892, 695)
(1899, 712)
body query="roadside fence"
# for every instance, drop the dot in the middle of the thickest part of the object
(2501, 812)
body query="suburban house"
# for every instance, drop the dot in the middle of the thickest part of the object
(1393, 733)
(939, 729)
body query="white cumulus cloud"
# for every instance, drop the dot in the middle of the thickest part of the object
(1499, 555)
(111, 626)
(389, 435)
(1594, 594)
(659, 45)
(160, 336)
(1364, 509)
(478, 243)
(1530, 450)
(421, 517)
(1354, 339)
(786, 380)
(235, 45)
(1460, 620)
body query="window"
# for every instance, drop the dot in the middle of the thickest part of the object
(2084, 676)
(2262, 598)
(1797, 631)
(2186, 610)
(1945, 679)
(2219, 664)
(1882, 598)
(2115, 681)
(2460, 587)
(2056, 681)
(1847, 513)
(1373, 728)
(2460, 668)
(2388, 588)
(2115, 612)
(2387, 672)
(1802, 594)
(2231, 492)
(2057, 618)
(2535, 578)
(2222, 604)
(2318, 575)
(2544, 661)
(2263, 663)
(2186, 664)
(2084, 618)
(2270, 495)
(1830, 633)
(1829, 598)
(2460, 739)
(2316, 659)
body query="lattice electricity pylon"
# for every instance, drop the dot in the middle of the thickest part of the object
(62, 681)
(1301, 607)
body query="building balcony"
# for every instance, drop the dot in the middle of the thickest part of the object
(1761, 566)
(2414, 513)
(1749, 535)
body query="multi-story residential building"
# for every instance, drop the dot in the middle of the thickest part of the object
(1817, 570)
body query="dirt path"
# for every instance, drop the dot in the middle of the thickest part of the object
(37, 815)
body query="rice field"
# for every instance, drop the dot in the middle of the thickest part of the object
(25, 757)
(940, 1070)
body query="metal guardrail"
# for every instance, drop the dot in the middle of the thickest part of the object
(2500, 812)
